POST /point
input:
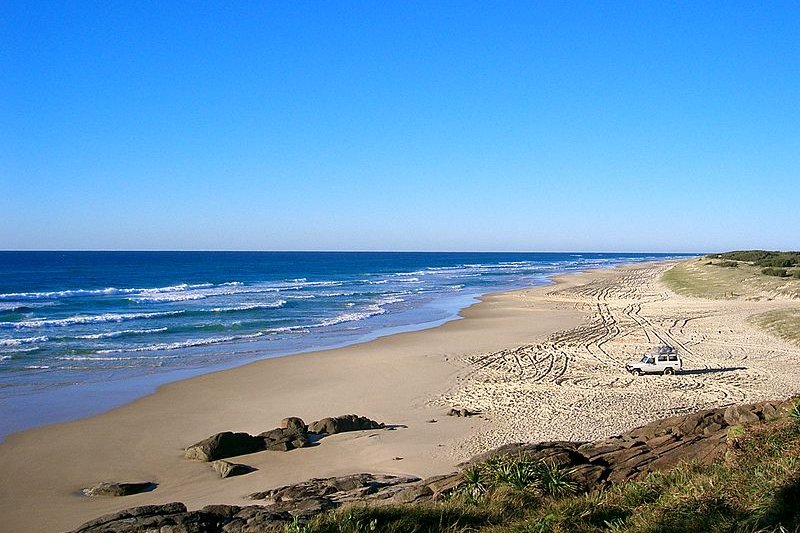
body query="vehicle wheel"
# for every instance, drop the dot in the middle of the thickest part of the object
(637, 372)
(668, 371)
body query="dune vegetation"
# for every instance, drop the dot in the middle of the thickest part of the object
(723, 276)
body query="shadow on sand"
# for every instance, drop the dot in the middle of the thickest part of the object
(697, 372)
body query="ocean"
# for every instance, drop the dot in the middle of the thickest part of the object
(81, 332)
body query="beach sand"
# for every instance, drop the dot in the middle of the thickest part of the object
(542, 363)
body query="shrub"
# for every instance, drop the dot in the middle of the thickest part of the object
(729, 264)
(763, 258)
(772, 271)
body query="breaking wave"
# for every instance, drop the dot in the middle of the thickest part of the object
(86, 319)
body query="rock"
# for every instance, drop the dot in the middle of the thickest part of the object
(341, 424)
(119, 489)
(294, 423)
(414, 493)
(444, 485)
(106, 522)
(460, 412)
(174, 518)
(285, 439)
(224, 445)
(304, 508)
(228, 469)
(588, 475)
(740, 414)
(334, 490)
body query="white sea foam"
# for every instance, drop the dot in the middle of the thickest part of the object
(285, 329)
(185, 344)
(86, 319)
(127, 358)
(372, 310)
(20, 342)
(4, 357)
(112, 334)
(25, 350)
(248, 307)
(390, 300)
(169, 297)
(68, 293)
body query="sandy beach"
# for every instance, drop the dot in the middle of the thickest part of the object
(539, 364)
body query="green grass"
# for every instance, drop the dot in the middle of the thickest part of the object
(784, 323)
(756, 488)
(703, 278)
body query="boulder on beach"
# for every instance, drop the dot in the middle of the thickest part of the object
(119, 489)
(228, 469)
(341, 424)
(285, 439)
(294, 423)
(224, 445)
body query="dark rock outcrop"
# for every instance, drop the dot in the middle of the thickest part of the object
(224, 445)
(319, 494)
(701, 436)
(340, 424)
(119, 489)
(229, 444)
(292, 433)
(174, 518)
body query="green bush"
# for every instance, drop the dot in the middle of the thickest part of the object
(772, 271)
(729, 264)
(763, 258)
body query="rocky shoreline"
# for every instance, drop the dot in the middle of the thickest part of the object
(701, 437)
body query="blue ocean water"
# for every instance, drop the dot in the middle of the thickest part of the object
(81, 332)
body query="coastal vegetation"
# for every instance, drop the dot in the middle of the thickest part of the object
(755, 488)
(780, 264)
(762, 258)
(730, 276)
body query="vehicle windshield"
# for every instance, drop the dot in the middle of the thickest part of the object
(645, 359)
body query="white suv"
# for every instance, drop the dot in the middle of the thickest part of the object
(664, 360)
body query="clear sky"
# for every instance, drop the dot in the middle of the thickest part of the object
(432, 125)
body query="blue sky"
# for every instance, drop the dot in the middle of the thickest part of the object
(598, 126)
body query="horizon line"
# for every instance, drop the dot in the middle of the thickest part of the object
(198, 250)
